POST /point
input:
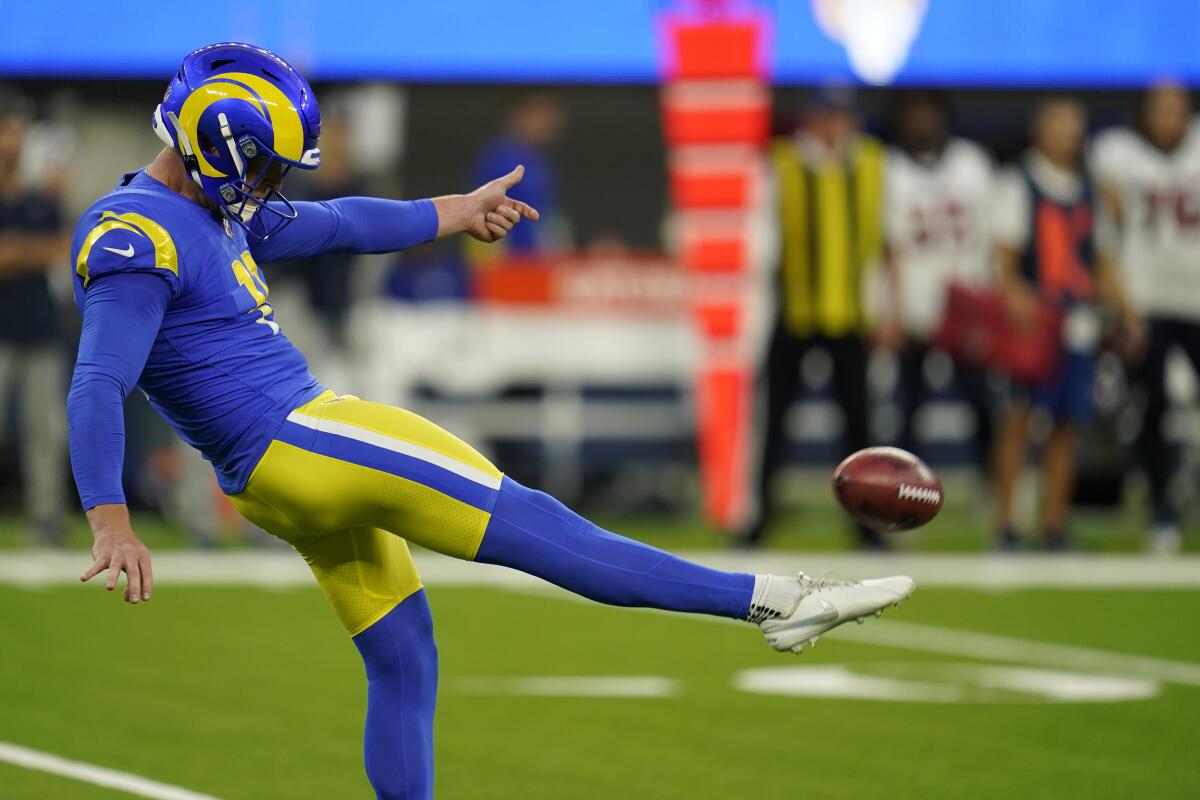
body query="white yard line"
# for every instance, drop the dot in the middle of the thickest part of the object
(991, 647)
(920, 637)
(625, 686)
(283, 569)
(97, 776)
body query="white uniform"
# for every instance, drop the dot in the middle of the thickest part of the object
(938, 228)
(1159, 241)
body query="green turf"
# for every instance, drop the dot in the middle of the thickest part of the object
(246, 693)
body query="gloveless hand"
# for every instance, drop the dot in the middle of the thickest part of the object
(487, 213)
(119, 550)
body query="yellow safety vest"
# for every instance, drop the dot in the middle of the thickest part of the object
(830, 218)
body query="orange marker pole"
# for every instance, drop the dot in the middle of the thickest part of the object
(716, 111)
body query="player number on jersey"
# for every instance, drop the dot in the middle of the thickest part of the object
(246, 272)
(1165, 205)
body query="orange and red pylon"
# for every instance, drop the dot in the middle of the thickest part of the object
(716, 117)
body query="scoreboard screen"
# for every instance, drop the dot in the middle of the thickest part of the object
(945, 42)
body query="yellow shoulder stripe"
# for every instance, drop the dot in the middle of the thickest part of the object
(165, 255)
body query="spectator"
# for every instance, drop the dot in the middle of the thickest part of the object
(938, 233)
(1044, 234)
(534, 124)
(1150, 182)
(828, 182)
(31, 361)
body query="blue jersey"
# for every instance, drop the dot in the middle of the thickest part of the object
(218, 367)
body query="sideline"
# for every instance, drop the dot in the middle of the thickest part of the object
(281, 569)
(97, 776)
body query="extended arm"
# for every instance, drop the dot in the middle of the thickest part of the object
(121, 316)
(375, 225)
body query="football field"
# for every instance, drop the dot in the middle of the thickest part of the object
(253, 691)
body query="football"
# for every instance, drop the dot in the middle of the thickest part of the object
(887, 489)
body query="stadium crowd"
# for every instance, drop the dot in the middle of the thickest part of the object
(1020, 278)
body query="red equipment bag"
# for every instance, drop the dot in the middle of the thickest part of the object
(977, 329)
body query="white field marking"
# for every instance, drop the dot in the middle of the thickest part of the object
(835, 681)
(97, 776)
(945, 683)
(920, 637)
(992, 647)
(358, 434)
(281, 568)
(633, 686)
(1064, 687)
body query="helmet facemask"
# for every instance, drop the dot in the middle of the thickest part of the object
(260, 213)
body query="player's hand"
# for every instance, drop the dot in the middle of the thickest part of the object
(120, 550)
(1023, 304)
(491, 213)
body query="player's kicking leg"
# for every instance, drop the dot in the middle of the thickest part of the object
(354, 463)
(534, 533)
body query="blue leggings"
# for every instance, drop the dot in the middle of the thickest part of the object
(402, 674)
(532, 532)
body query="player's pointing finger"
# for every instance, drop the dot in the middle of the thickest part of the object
(524, 209)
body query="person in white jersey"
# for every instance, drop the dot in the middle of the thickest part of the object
(937, 228)
(1149, 177)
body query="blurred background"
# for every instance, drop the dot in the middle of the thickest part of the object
(772, 233)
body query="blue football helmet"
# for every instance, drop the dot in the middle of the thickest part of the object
(231, 112)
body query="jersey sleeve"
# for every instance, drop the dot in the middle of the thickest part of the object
(109, 242)
(351, 225)
(121, 317)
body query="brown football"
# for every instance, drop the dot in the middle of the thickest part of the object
(887, 489)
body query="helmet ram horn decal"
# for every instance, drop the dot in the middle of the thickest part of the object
(232, 112)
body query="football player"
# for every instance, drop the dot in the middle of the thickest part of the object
(174, 301)
(1150, 182)
(1046, 256)
(937, 228)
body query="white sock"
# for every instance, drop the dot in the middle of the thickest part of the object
(774, 596)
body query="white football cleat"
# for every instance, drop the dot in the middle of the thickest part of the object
(826, 603)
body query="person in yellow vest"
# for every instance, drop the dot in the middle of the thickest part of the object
(828, 193)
